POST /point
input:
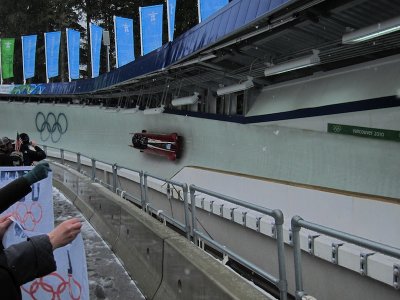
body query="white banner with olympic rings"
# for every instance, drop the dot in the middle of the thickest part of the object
(34, 215)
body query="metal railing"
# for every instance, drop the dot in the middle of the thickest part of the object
(297, 223)
(190, 231)
(281, 282)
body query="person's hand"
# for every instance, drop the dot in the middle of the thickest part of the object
(5, 221)
(33, 143)
(38, 173)
(65, 233)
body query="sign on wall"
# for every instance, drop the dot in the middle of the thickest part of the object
(375, 133)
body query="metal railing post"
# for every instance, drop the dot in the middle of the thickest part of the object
(145, 191)
(62, 156)
(279, 219)
(186, 208)
(78, 161)
(142, 200)
(93, 169)
(115, 174)
(297, 257)
(193, 206)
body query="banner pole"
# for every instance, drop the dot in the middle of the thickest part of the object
(169, 22)
(1, 66)
(45, 57)
(141, 31)
(69, 67)
(199, 10)
(115, 42)
(91, 48)
(23, 60)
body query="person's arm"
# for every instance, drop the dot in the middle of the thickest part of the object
(13, 192)
(38, 154)
(34, 258)
(21, 187)
(30, 259)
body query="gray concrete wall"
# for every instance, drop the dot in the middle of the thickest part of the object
(163, 264)
(302, 156)
(321, 278)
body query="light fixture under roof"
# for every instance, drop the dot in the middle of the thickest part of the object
(373, 31)
(154, 111)
(186, 100)
(295, 64)
(245, 85)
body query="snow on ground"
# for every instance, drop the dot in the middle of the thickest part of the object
(107, 278)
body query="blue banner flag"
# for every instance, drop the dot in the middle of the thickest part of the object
(52, 50)
(73, 45)
(123, 29)
(208, 7)
(96, 34)
(171, 6)
(28, 55)
(151, 18)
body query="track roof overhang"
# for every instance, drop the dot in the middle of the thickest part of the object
(280, 34)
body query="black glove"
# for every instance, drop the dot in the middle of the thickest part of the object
(38, 173)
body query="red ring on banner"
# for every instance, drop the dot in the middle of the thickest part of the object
(56, 293)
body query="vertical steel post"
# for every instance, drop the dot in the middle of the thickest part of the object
(115, 174)
(186, 207)
(193, 206)
(78, 160)
(297, 257)
(279, 219)
(145, 191)
(62, 155)
(93, 169)
(142, 200)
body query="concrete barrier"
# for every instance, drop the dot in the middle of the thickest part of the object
(163, 264)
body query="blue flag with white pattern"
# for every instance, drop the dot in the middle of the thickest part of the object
(123, 28)
(52, 48)
(208, 7)
(151, 18)
(171, 7)
(73, 45)
(96, 35)
(29, 55)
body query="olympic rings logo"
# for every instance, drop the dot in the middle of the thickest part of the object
(71, 286)
(28, 215)
(51, 126)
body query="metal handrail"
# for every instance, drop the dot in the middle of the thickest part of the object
(185, 197)
(298, 222)
(281, 282)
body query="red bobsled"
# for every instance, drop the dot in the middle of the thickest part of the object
(168, 145)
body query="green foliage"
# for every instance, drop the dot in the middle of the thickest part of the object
(25, 17)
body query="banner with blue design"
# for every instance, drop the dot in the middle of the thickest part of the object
(28, 55)
(208, 7)
(171, 7)
(96, 35)
(151, 18)
(123, 28)
(73, 47)
(52, 50)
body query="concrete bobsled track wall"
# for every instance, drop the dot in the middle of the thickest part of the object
(163, 264)
(302, 156)
(149, 251)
